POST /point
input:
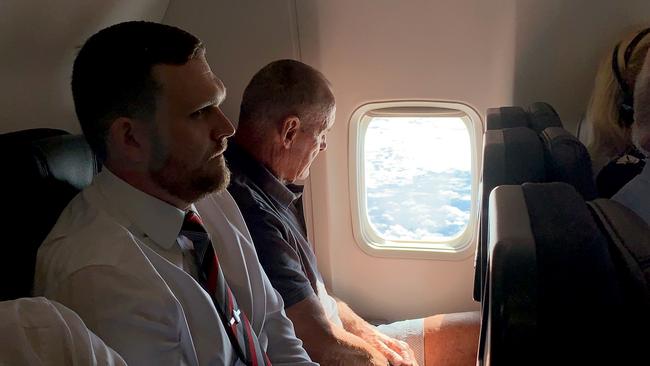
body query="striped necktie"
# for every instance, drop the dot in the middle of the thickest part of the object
(211, 277)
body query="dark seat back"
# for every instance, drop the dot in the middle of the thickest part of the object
(629, 242)
(506, 117)
(44, 169)
(541, 116)
(538, 116)
(520, 155)
(510, 156)
(554, 296)
(567, 160)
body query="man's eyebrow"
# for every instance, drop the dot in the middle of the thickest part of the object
(217, 100)
(222, 89)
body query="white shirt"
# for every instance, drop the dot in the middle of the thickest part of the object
(36, 331)
(635, 195)
(114, 258)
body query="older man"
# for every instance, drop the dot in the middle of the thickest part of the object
(157, 282)
(286, 112)
(636, 193)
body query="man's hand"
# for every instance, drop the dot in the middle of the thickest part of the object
(397, 352)
(359, 356)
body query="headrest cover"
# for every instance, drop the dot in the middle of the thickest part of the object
(67, 159)
(567, 160)
(542, 116)
(506, 117)
(43, 170)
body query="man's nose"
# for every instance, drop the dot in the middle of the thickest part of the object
(222, 127)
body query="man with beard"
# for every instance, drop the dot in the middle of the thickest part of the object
(636, 193)
(157, 282)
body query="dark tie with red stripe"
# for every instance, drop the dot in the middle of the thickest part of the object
(211, 277)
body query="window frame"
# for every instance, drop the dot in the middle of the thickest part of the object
(457, 248)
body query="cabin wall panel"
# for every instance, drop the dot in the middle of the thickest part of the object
(38, 43)
(559, 45)
(383, 50)
(240, 36)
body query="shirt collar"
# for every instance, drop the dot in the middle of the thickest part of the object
(156, 219)
(242, 162)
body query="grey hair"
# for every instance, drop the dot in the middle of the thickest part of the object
(280, 89)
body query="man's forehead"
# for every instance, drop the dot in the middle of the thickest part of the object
(220, 86)
(195, 76)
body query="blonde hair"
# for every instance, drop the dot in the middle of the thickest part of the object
(641, 125)
(610, 137)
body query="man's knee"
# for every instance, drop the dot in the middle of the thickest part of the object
(452, 321)
(451, 339)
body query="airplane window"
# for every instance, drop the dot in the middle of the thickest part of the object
(418, 178)
(415, 176)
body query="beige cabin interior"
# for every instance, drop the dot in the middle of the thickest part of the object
(480, 53)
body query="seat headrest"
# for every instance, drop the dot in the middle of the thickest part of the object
(543, 115)
(512, 156)
(506, 117)
(67, 159)
(567, 160)
(539, 116)
(43, 170)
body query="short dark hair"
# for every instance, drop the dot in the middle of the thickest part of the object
(283, 88)
(112, 75)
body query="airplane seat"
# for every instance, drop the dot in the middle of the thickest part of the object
(567, 160)
(542, 115)
(538, 116)
(44, 170)
(553, 296)
(629, 239)
(510, 156)
(506, 117)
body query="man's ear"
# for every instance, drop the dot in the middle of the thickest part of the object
(289, 131)
(128, 139)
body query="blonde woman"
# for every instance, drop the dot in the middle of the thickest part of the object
(610, 114)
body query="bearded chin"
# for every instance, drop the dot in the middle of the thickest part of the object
(191, 185)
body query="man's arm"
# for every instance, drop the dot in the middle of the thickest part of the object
(396, 351)
(35, 330)
(139, 323)
(324, 342)
(284, 346)
(327, 343)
